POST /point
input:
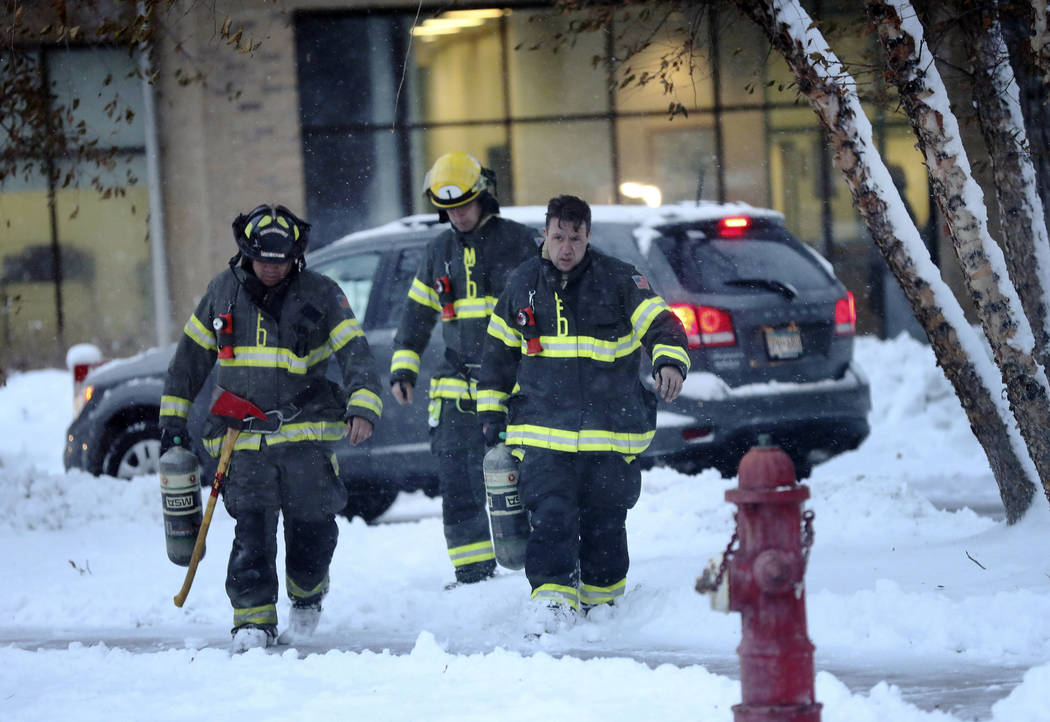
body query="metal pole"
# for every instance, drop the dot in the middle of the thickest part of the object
(158, 253)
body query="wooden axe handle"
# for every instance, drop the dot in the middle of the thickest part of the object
(198, 546)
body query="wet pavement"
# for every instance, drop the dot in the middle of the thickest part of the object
(966, 690)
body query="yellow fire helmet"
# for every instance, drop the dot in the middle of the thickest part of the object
(456, 179)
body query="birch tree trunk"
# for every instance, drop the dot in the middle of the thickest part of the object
(1022, 223)
(833, 97)
(910, 67)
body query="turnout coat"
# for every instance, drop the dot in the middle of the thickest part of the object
(273, 348)
(563, 353)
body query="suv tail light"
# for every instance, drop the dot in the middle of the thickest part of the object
(705, 326)
(845, 316)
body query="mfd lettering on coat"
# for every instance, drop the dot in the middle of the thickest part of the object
(260, 331)
(469, 261)
(563, 322)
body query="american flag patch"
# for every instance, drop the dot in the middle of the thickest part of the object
(343, 302)
(640, 281)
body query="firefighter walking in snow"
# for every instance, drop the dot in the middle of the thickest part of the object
(560, 374)
(462, 273)
(273, 326)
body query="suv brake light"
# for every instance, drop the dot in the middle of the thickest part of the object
(705, 326)
(732, 226)
(845, 316)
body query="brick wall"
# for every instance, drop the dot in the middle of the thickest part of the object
(229, 141)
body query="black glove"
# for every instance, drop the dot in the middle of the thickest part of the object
(173, 437)
(494, 434)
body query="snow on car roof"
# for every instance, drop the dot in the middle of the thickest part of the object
(642, 216)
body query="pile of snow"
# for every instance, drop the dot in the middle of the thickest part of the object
(906, 579)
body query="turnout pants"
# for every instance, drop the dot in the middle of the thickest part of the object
(298, 480)
(459, 447)
(577, 502)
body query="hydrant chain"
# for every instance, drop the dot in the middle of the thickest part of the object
(704, 582)
(807, 537)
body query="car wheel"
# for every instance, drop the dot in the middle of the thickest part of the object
(133, 451)
(368, 499)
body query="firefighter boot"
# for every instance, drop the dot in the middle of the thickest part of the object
(302, 623)
(547, 617)
(251, 636)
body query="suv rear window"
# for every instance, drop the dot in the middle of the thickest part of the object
(740, 265)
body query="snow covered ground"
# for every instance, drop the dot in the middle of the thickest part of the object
(903, 596)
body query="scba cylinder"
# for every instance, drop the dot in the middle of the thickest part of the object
(180, 490)
(510, 523)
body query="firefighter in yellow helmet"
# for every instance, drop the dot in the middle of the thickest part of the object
(461, 276)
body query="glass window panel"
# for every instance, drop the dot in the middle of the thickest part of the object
(353, 182)
(800, 117)
(545, 83)
(461, 74)
(909, 172)
(565, 157)
(742, 70)
(350, 69)
(28, 319)
(676, 156)
(692, 89)
(794, 168)
(104, 83)
(745, 167)
(107, 291)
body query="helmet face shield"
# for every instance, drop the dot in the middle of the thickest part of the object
(455, 180)
(271, 234)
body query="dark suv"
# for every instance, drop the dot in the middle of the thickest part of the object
(770, 332)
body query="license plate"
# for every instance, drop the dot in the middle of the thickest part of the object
(783, 343)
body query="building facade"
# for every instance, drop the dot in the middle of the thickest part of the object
(341, 108)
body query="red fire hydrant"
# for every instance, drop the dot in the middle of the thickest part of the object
(765, 584)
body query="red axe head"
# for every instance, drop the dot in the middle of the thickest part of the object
(233, 407)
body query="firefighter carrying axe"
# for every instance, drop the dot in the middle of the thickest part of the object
(235, 411)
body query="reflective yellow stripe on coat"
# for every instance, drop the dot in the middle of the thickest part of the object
(174, 406)
(546, 437)
(451, 387)
(405, 360)
(289, 433)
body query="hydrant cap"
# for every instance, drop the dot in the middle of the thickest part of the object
(766, 467)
